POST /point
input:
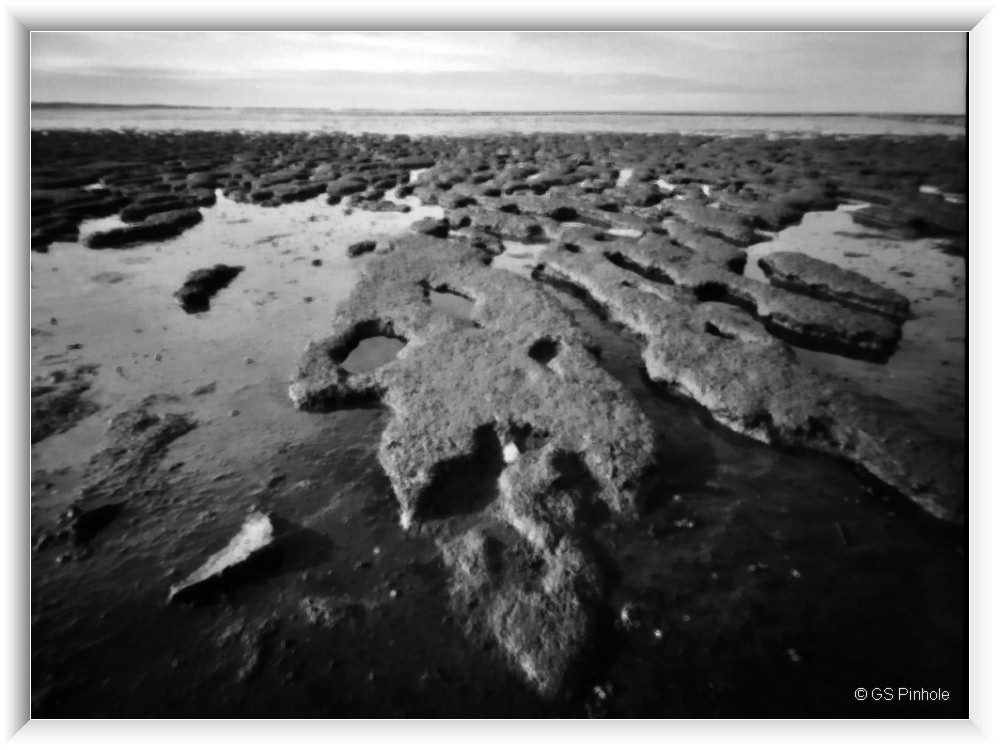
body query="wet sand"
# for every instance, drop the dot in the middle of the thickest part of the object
(754, 582)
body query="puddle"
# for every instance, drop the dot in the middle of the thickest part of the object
(415, 175)
(926, 375)
(519, 257)
(246, 343)
(104, 224)
(625, 232)
(452, 304)
(372, 353)
(948, 197)
(624, 176)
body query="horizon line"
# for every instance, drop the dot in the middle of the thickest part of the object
(105, 105)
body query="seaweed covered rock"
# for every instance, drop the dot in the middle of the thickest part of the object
(503, 419)
(755, 386)
(158, 226)
(201, 285)
(801, 273)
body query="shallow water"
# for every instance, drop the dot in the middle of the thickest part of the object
(372, 353)
(452, 304)
(926, 375)
(518, 257)
(462, 123)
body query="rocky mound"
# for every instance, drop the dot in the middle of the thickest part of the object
(518, 396)
(800, 273)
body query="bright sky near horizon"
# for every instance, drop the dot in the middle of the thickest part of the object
(921, 72)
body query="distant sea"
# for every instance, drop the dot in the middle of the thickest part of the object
(51, 117)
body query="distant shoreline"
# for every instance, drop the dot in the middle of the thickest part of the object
(913, 117)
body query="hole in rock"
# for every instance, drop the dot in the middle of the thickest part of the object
(712, 329)
(712, 292)
(451, 303)
(371, 353)
(544, 350)
(466, 484)
(653, 274)
(565, 213)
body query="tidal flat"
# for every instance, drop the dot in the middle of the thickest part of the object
(548, 425)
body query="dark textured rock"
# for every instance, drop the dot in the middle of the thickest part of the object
(754, 385)
(201, 285)
(432, 227)
(360, 248)
(729, 226)
(346, 185)
(58, 405)
(802, 320)
(801, 273)
(159, 226)
(916, 218)
(148, 205)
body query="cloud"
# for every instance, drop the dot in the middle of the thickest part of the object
(508, 71)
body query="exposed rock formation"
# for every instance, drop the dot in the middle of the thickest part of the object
(800, 273)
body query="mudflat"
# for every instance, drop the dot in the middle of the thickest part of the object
(613, 425)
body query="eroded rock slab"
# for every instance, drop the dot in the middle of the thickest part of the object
(158, 226)
(251, 548)
(514, 401)
(801, 273)
(756, 387)
(797, 318)
(203, 284)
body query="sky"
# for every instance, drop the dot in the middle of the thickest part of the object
(916, 72)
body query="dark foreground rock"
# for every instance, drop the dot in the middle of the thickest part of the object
(360, 248)
(252, 548)
(59, 404)
(159, 226)
(800, 273)
(201, 285)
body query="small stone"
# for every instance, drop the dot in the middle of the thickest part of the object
(794, 655)
(234, 413)
(796, 573)
(249, 360)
